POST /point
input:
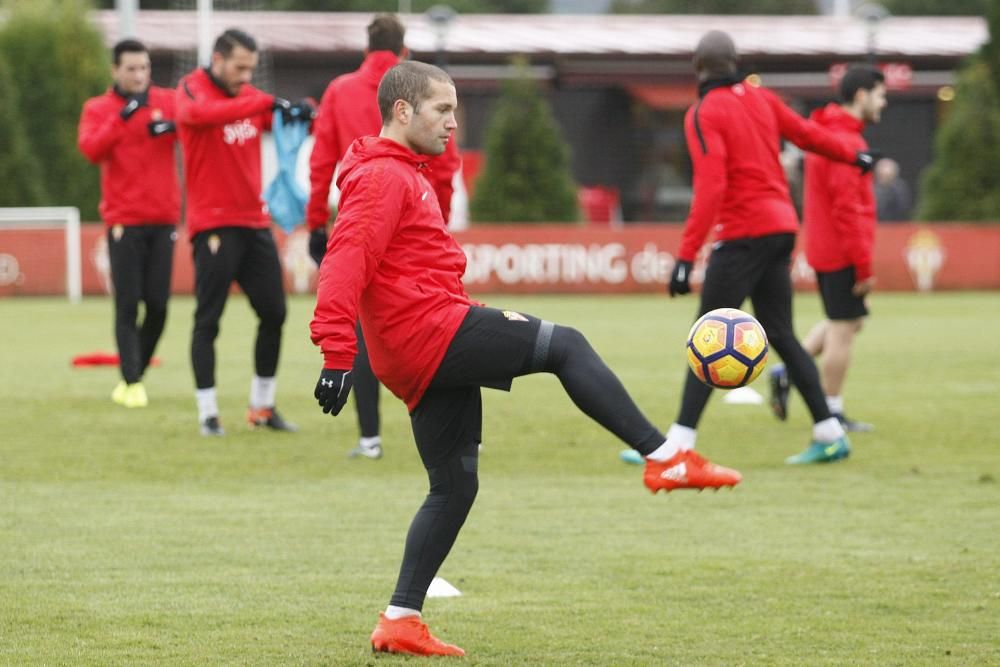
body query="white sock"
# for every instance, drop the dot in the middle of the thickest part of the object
(679, 438)
(828, 430)
(207, 406)
(836, 404)
(395, 613)
(262, 391)
(368, 443)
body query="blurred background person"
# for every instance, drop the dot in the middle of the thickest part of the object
(894, 203)
(839, 224)
(220, 121)
(129, 131)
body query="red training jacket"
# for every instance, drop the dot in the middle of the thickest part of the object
(220, 135)
(138, 173)
(408, 283)
(839, 205)
(734, 137)
(349, 110)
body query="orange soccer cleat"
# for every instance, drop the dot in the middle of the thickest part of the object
(409, 635)
(269, 417)
(688, 470)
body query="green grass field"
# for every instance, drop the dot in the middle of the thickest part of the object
(127, 539)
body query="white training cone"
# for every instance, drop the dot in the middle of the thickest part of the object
(440, 588)
(744, 396)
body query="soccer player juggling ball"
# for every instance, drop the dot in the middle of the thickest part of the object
(433, 346)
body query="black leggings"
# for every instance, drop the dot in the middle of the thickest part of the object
(759, 269)
(249, 257)
(366, 390)
(489, 350)
(141, 260)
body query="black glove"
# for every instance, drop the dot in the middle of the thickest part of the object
(158, 127)
(680, 279)
(865, 160)
(317, 244)
(302, 111)
(133, 104)
(332, 390)
(282, 105)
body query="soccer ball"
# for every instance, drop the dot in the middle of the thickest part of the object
(727, 348)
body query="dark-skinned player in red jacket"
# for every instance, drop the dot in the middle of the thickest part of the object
(431, 344)
(129, 131)
(734, 136)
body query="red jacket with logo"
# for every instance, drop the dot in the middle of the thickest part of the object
(408, 283)
(734, 138)
(839, 204)
(138, 173)
(220, 135)
(349, 110)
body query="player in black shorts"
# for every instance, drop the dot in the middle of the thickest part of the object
(839, 222)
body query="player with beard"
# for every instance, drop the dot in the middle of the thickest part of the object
(220, 119)
(839, 228)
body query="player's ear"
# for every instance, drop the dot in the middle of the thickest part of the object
(401, 111)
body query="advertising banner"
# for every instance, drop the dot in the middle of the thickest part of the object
(541, 259)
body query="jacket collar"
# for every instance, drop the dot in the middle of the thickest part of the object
(708, 85)
(376, 64)
(122, 94)
(216, 82)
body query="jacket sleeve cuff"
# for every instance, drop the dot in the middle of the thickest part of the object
(337, 361)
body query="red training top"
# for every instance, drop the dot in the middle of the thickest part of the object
(220, 135)
(349, 110)
(138, 174)
(839, 204)
(408, 283)
(734, 137)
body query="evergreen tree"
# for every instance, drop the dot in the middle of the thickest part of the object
(61, 61)
(20, 172)
(527, 176)
(963, 182)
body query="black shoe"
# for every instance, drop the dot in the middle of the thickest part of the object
(780, 388)
(212, 427)
(852, 426)
(270, 418)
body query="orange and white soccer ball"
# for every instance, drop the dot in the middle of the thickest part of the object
(727, 348)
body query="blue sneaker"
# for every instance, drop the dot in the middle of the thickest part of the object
(632, 456)
(822, 452)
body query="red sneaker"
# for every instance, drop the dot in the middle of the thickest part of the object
(688, 470)
(409, 635)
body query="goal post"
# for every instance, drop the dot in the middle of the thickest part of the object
(65, 218)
